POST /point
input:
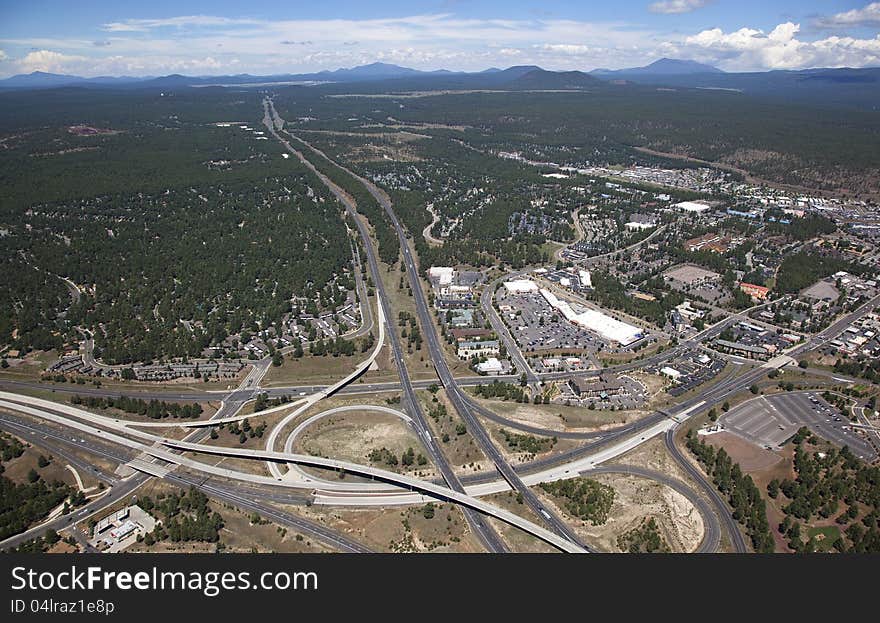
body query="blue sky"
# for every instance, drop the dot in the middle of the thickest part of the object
(132, 37)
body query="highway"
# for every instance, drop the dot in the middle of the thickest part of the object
(459, 401)
(712, 530)
(713, 395)
(244, 498)
(603, 446)
(121, 433)
(487, 535)
(697, 475)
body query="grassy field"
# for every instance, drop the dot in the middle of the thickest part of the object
(400, 529)
(352, 436)
(517, 540)
(461, 449)
(417, 361)
(323, 370)
(825, 536)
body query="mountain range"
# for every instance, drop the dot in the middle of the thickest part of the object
(662, 67)
(855, 88)
(371, 72)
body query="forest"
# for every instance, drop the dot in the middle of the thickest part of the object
(831, 149)
(584, 498)
(185, 517)
(22, 504)
(153, 409)
(162, 236)
(832, 484)
(744, 497)
(800, 270)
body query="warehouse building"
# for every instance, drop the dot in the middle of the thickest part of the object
(521, 286)
(695, 207)
(607, 327)
(466, 350)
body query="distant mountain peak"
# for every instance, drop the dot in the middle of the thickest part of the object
(542, 79)
(675, 65)
(375, 69)
(664, 67)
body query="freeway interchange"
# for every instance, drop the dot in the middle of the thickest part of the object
(49, 424)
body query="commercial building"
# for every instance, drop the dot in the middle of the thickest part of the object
(466, 350)
(462, 318)
(715, 243)
(491, 366)
(758, 293)
(586, 279)
(596, 387)
(638, 222)
(464, 334)
(607, 327)
(746, 350)
(521, 286)
(688, 312)
(671, 373)
(695, 207)
(443, 275)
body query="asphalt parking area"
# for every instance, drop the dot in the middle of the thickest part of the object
(770, 421)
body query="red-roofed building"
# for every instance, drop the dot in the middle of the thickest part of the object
(758, 293)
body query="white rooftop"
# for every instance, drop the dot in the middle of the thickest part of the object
(519, 286)
(691, 206)
(492, 364)
(593, 320)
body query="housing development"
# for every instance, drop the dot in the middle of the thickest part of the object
(390, 310)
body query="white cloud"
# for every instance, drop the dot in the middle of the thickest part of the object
(48, 61)
(748, 48)
(424, 41)
(3, 56)
(143, 25)
(866, 16)
(674, 7)
(215, 45)
(565, 48)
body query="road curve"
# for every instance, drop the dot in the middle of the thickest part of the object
(712, 529)
(736, 538)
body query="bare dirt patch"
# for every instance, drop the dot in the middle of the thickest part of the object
(751, 458)
(400, 529)
(353, 436)
(87, 130)
(636, 498)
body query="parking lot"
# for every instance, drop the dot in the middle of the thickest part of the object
(694, 369)
(605, 392)
(770, 421)
(747, 339)
(537, 326)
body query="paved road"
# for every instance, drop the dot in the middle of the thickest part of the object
(247, 499)
(698, 476)
(712, 529)
(487, 535)
(459, 401)
(122, 433)
(522, 365)
(464, 405)
(713, 396)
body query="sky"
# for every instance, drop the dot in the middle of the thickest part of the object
(195, 37)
